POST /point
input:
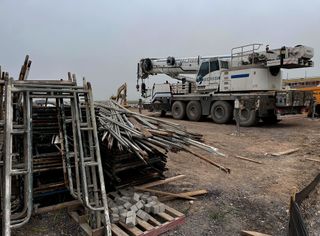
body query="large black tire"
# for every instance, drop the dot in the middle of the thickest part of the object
(221, 112)
(248, 117)
(194, 110)
(178, 110)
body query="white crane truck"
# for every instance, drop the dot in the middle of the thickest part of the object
(211, 86)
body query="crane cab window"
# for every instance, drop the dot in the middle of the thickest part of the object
(203, 71)
(214, 65)
(206, 68)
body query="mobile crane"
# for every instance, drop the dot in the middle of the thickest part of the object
(211, 86)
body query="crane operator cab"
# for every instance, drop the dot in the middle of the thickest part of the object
(208, 77)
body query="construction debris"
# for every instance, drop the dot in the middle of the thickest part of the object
(252, 233)
(287, 152)
(247, 159)
(311, 159)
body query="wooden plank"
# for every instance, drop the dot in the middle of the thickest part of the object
(74, 203)
(144, 224)
(165, 216)
(310, 159)
(173, 212)
(225, 169)
(164, 193)
(153, 221)
(165, 227)
(117, 231)
(252, 233)
(190, 194)
(133, 230)
(163, 181)
(285, 152)
(248, 159)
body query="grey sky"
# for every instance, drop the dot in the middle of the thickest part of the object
(103, 40)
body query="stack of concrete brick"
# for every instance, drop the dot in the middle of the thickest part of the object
(126, 206)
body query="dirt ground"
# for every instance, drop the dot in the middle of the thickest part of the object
(252, 197)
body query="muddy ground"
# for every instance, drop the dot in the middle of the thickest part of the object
(253, 197)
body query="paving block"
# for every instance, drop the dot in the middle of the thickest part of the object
(162, 207)
(144, 197)
(130, 221)
(115, 218)
(134, 208)
(120, 200)
(126, 198)
(136, 197)
(121, 209)
(154, 198)
(155, 209)
(139, 204)
(127, 205)
(143, 215)
(114, 210)
(153, 203)
(147, 207)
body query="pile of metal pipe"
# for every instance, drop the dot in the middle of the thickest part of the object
(138, 143)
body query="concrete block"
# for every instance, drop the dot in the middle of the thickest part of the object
(155, 209)
(162, 207)
(114, 210)
(139, 204)
(126, 198)
(127, 205)
(134, 208)
(153, 203)
(121, 209)
(114, 195)
(136, 197)
(130, 221)
(147, 207)
(144, 197)
(115, 218)
(154, 198)
(143, 215)
(120, 201)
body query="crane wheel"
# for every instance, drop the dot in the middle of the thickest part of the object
(221, 112)
(194, 110)
(178, 110)
(248, 117)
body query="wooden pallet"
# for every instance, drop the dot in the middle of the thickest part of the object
(158, 224)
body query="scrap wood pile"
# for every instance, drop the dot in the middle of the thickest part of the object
(146, 139)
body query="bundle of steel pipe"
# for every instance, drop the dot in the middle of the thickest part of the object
(138, 144)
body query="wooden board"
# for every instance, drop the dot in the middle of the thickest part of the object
(252, 233)
(156, 225)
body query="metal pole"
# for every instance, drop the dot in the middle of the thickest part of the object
(6, 230)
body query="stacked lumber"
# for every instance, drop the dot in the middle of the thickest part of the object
(133, 143)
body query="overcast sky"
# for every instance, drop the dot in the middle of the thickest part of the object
(104, 40)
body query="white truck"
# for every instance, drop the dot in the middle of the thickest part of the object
(209, 86)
